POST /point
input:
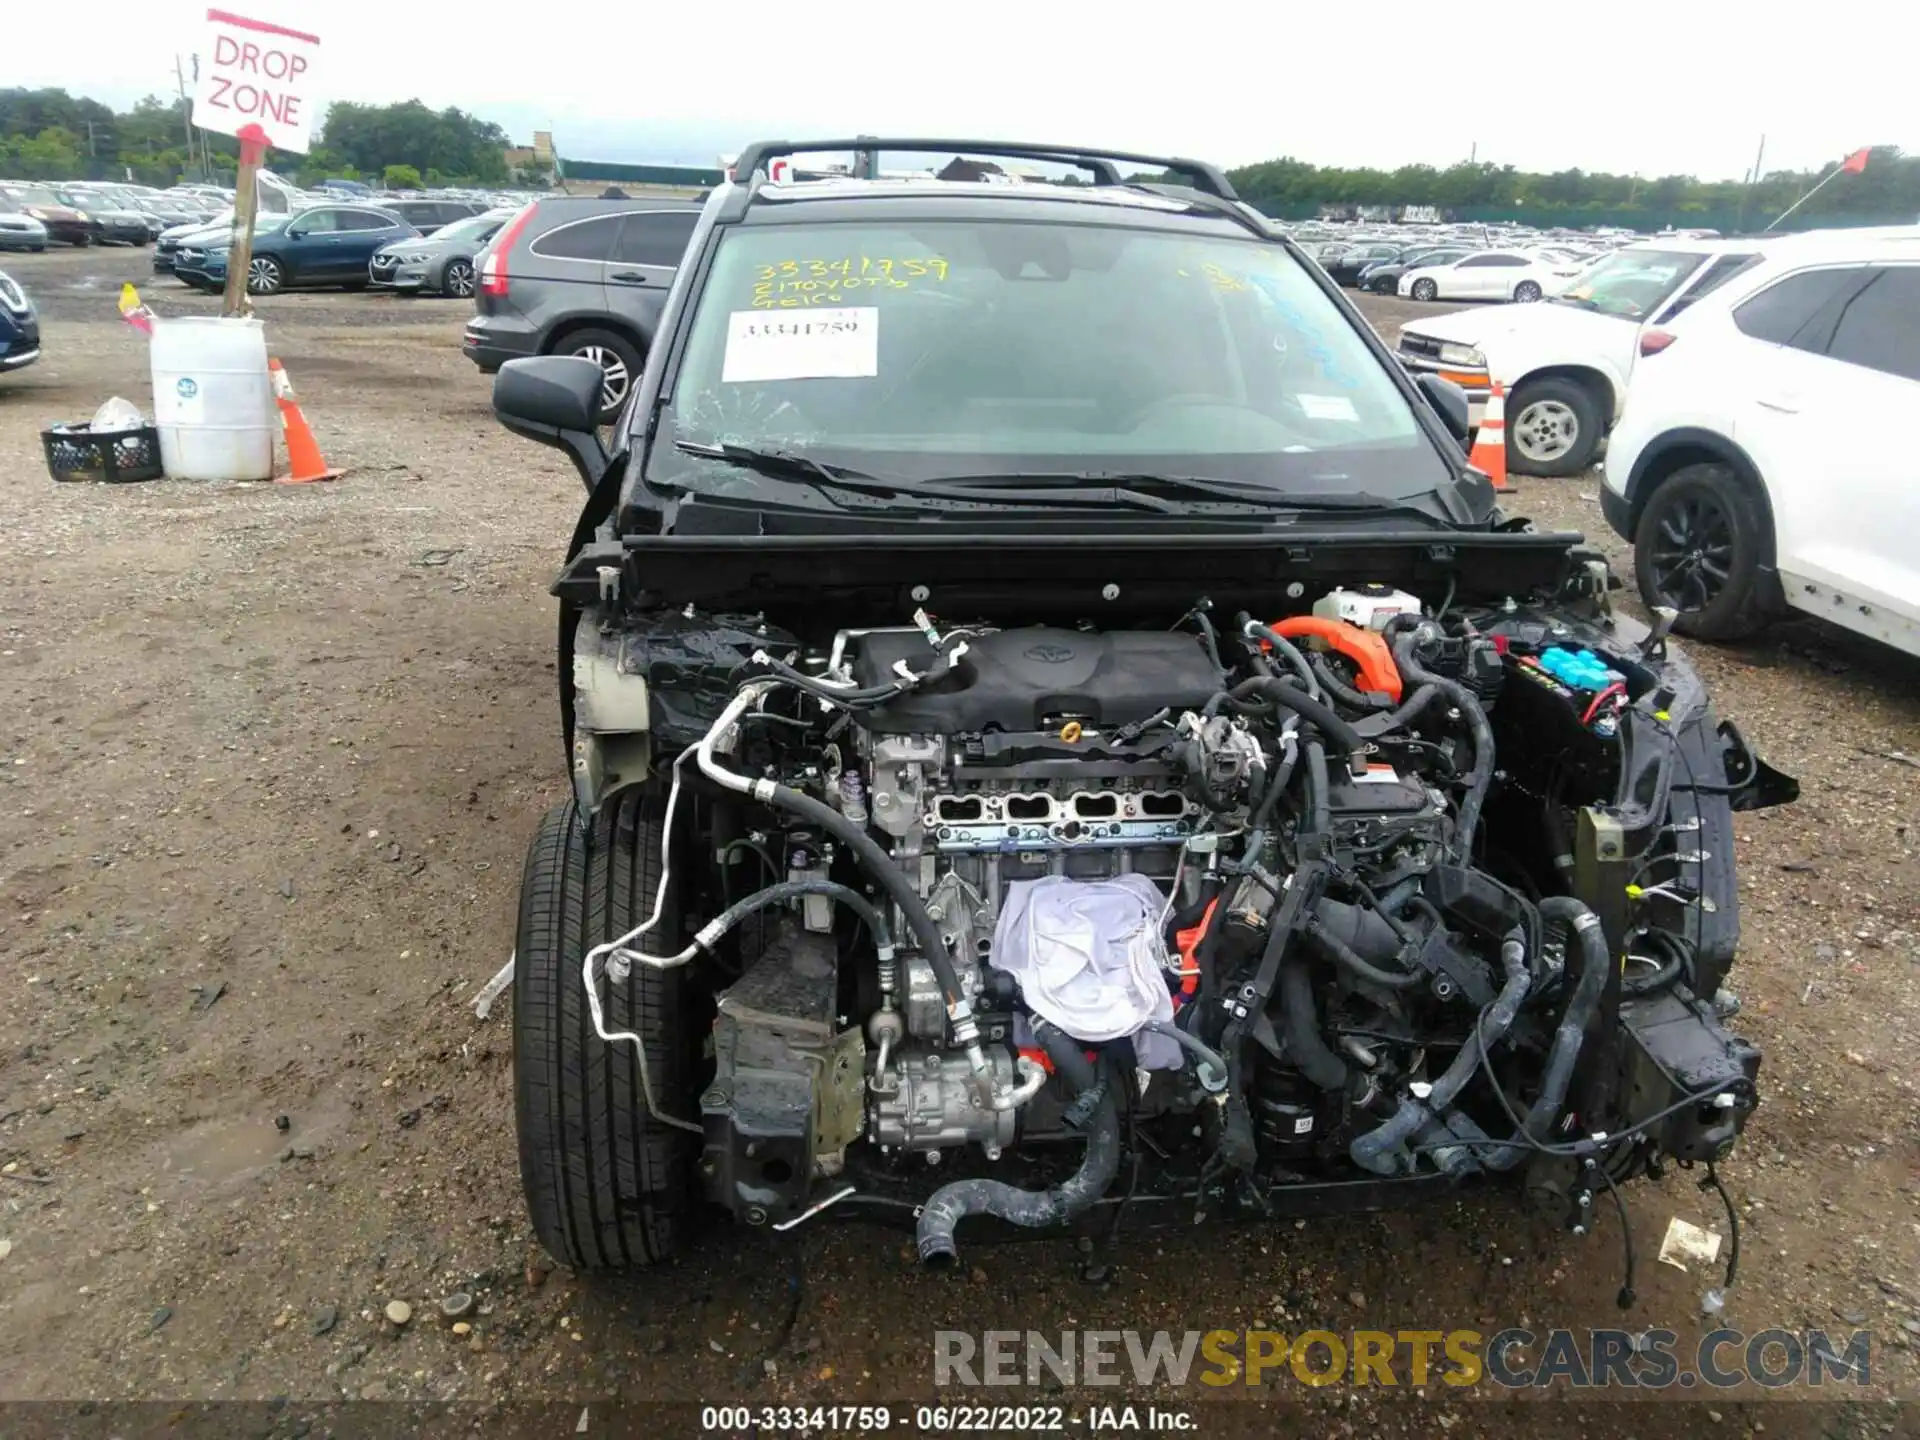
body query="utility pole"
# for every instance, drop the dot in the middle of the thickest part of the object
(1473, 152)
(1753, 179)
(186, 111)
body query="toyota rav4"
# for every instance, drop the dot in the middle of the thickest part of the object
(1058, 737)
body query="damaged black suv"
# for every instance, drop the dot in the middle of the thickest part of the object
(1047, 700)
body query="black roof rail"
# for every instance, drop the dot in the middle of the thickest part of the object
(1208, 179)
(1236, 210)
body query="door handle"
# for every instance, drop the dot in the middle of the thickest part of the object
(628, 277)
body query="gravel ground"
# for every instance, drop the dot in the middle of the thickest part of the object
(271, 756)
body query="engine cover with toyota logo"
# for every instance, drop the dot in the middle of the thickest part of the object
(1038, 678)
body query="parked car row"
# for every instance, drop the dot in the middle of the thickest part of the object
(411, 245)
(1419, 267)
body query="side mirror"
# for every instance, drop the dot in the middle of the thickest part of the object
(555, 400)
(1450, 403)
(294, 232)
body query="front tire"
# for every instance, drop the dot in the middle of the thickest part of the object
(457, 279)
(1425, 290)
(1553, 428)
(608, 1186)
(1698, 548)
(265, 275)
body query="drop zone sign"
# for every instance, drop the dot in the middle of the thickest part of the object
(257, 81)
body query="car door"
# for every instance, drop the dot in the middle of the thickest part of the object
(1474, 278)
(357, 235)
(308, 245)
(1845, 497)
(645, 255)
(568, 265)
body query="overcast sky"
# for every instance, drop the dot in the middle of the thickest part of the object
(1648, 86)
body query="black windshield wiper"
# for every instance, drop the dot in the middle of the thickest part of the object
(789, 464)
(1254, 494)
(792, 465)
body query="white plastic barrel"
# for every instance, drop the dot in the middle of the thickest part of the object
(212, 400)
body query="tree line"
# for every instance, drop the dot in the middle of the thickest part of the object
(1888, 189)
(52, 135)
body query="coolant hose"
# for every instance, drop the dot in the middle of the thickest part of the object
(1031, 1209)
(1071, 1063)
(1423, 696)
(1317, 713)
(1254, 630)
(1341, 691)
(1648, 982)
(1382, 1149)
(1211, 1068)
(1350, 960)
(1480, 777)
(1583, 926)
(1300, 1022)
(1319, 813)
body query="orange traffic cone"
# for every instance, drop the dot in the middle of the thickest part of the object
(303, 451)
(1489, 455)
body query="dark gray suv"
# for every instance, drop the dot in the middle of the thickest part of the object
(580, 277)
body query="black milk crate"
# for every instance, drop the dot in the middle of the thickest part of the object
(76, 452)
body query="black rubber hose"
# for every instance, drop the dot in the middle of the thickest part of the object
(1069, 1060)
(1322, 716)
(1350, 960)
(1071, 1063)
(793, 890)
(1031, 1209)
(1422, 696)
(1480, 777)
(1375, 936)
(1285, 648)
(1583, 927)
(1648, 982)
(1276, 787)
(1319, 815)
(888, 873)
(1339, 689)
(1209, 640)
(1300, 1022)
(1382, 1149)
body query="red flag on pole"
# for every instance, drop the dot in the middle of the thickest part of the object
(1855, 163)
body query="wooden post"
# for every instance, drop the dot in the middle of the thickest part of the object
(246, 198)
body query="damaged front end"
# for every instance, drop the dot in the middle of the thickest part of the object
(1312, 896)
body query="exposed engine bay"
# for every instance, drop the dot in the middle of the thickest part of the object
(1229, 915)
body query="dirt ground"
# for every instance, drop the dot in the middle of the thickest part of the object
(270, 759)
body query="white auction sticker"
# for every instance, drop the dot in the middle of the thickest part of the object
(1328, 407)
(841, 344)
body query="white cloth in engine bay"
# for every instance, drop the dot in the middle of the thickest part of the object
(1090, 958)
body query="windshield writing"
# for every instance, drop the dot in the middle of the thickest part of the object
(991, 347)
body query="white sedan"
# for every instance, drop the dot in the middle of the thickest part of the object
(1488, 275)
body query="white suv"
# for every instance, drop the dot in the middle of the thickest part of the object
(1566, 362)
(1761, 463)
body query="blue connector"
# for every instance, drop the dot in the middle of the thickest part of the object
(1582, 669)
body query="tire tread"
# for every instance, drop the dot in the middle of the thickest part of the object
(606, 1183)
